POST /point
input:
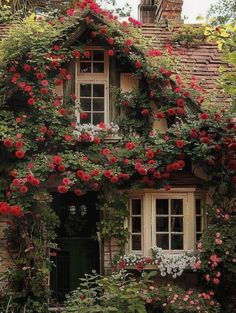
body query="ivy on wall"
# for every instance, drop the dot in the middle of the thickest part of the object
(43, 144)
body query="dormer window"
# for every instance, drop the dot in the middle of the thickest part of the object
(92, 86)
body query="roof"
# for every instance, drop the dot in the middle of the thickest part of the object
(202, 61)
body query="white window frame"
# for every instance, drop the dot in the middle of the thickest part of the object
(148, 196)
(93, 78)
(130, 225)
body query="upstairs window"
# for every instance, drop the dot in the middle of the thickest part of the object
(92, 87)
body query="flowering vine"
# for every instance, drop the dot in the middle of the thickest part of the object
(43, 142)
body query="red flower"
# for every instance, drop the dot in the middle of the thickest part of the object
(160, 115)
(35, 181)
(19, 154)
(84, 116)
(107, 173)
(111, 41)
(85, 177)
(8, 142)
(157, 175)
(180, 102)
(106, 152)
(87, 54)
(19, 144)
(96, 140)
(122, 264)
(110, 52)
(204, 116)
(4, 208)
(78, 192)
(27, 68)
(56, 47)
(76, 54)
(114, 179)
(128, 42)
(130, 145)
(149, 154)
(145, 112)
(57, 159)
(31, 101)
(23, 189)
(70, 12)
(62, 189)
(66, 181)
(40, 76)
(171, 111)
(138, 64)
(16, 211)
(179, 144)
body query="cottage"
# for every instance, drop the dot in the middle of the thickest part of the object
(99, 74)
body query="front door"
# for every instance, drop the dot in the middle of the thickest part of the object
(78, 248)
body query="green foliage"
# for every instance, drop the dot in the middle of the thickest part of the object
(225, 36)
(223, 11)
(121, 292)
(113, 206)
(189, 36)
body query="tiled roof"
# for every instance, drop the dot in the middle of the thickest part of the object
(202, 61)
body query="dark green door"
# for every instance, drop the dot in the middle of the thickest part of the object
(78, 249)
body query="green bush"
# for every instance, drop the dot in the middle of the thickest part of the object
(121, 292)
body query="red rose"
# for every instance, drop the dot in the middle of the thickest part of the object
(130, 145)
(84, 116)
(31, 101)
(8, 142)
(57, 159)
(27, 68)
(160, 115)
(16, 210)
(40, 76)
(138, 64)
(19, 154)
(23, 189)
(145, 112)
(105, 152)
(171, 111)
(179, 144)
(78, 192)
(110, 52)
(62, 189)
(204, 116)
(76, 54)
(96, 140)
(4, 208)
(114, 179)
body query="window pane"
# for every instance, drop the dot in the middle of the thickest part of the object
(98, 104)
(177, 242)
(198, 236)
(136, 242)
(163, 241)
(98, 90)
(85, 67)
(198, 206)
(85, 104)
(177, 207)
(98, 55)
(136, 206)
(98, 118)
(162, 206)
(136, 224)
(177, 224)
(198, 223)
(85, 90)
(162, 224)
(98, 67)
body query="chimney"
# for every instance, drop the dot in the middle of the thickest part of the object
(151, 11)
(147, 9)
(169, 10)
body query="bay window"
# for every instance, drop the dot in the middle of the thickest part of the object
(171, 220)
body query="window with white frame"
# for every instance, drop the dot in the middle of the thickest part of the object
(136, 224)
(199, 218)
(173, 220)
(92, 82)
